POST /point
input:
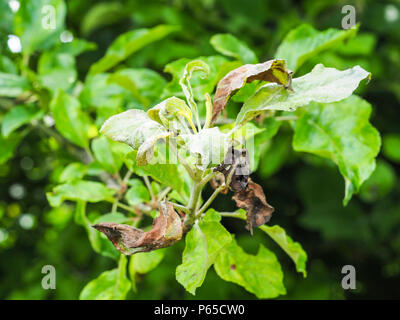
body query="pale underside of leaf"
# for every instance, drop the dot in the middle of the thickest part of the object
(320, 85)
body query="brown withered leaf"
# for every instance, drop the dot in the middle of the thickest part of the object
(166, 230)
(253, 201)
(272, 71)
(237, 160)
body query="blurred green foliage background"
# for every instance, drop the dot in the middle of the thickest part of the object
(306, 191)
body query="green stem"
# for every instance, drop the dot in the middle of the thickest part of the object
(148, 185)
(181, 208)
(209, 108)
(183, 161)
(209, 201)
(286, 118)
(194, 198)
(125, 207)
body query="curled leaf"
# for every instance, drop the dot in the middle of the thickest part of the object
(272, 71)
(135, 128)
(252, 200)
(192, 66)
(166, 230)
(171, 113)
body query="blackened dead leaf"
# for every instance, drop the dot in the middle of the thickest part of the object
(252, 199)
(236, 168)
(272, 71)
(166, 230)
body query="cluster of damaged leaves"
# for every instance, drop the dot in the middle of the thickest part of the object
(233, 174)
(168, 228)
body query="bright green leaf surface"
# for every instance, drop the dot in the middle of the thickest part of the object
(137, 193)
(341, 132)
(12, 85)
(17, 117)
(260, 274)
(72, 123)
(56, 70)
(304, 42)
(104, 154)
(144, 262)
(7, 146)
(203, 243)
(80, 190)
(230, 46)
(292, 248)
(110, 285)
(128, 43)
(73, 171)
(169, 174)
(279, 235)
(102, 14)
(39, 23)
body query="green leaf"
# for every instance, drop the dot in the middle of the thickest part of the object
(102, 14)
(17, 117)
(230, 46)
(128, 43)
(104, 154)
(12, 85)
(110, 285)
(7, 146)
(115, 217)
(305, 42)
(218, 66)
(144, 262)
(320, 85)
(75, 47)
(171, 113)
(136, 129)
(209, 146)
(341, 132)
(69, 119)
(56, 70)
(98, 241)
(168, 174)
(39, 23)
(99, 92)
(137, 193)
(73, 171)
(260, 274)
(391, 147)
(278, 234)
(89, 191)
(293, 249)
(7, 65)
(145, 85)
(203, 243)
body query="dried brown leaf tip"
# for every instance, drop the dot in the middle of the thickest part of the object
(252, 200)
(272, 71)
(166, 230)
